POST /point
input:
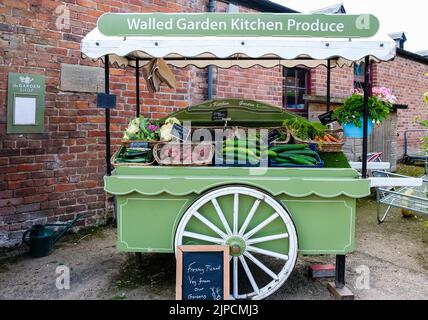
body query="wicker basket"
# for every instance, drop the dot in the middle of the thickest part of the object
(128, 164)
(332, 146)
(168, 161)
(300, 141)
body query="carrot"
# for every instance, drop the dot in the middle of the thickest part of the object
(333, 139)
(326, 138)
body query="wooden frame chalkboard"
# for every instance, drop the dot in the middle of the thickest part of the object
(182, 250)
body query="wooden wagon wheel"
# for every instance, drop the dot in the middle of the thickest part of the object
(259, 231)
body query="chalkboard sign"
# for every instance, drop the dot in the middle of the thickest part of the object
(219, 115)
(202, 273)
(273, 135)
(327, 117)
(180, 132)
(139, 144)
(106, 101)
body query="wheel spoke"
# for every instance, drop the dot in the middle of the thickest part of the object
(202, 237)
(258, 263)
(235, 277)
(221, 216)
(261, 226)
(267, 252)
(249, 216)
(209, 224)
(249, 275)
(268, 238)
(235, 213)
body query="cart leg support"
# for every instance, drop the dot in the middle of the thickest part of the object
(340, 271)
(139, 260)
(338, 288)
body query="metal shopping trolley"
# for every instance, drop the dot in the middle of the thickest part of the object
(410, 198)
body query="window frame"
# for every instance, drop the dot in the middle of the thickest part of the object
(296, 88)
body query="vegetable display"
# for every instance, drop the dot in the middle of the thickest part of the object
(142, 129)
(176, 153)
(294, 155)
(135, 156)
(304, 129)
(241, 151)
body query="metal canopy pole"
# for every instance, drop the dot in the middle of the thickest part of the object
(137, 83)
(328, 85)
(366, 115)
(107, 91)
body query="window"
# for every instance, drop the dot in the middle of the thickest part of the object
(359, 70)
(296, 82)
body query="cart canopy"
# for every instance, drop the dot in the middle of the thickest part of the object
(244, 49)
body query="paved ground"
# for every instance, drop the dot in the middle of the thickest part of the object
(395, 254)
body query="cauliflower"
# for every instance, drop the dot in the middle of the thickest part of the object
(172, 121)
(165, 130)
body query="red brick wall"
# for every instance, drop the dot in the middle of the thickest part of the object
(55, 175)
(342, 81)
(406, 78)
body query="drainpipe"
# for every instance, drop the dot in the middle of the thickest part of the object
(211, 8)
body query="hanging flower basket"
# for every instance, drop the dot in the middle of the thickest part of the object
(350, 114)
(355, 132)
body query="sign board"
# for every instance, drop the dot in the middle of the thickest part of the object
(180, 132)
(219, 115)
(273, 135)
(78, 78)
(25, 103)
(202, 273)
(238, 24)
(139, 144)
(327, 117)
(106, 101)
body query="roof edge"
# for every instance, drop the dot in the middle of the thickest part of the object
(412, 56)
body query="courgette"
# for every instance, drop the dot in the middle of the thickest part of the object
(283, 161)
(300, 160)
(288, 147)
(242, 151)
(309, 158)
(241, 157)
(307, 152)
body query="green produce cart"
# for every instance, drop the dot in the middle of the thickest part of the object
(269, 215)
(266, 215)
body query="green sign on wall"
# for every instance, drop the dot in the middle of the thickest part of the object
(25, 103)
(238, 24)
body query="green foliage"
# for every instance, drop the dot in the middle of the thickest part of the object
(353, 108)
(304, 129)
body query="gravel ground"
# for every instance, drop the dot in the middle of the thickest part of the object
(394, 253)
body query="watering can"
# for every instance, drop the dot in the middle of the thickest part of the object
(42, 239)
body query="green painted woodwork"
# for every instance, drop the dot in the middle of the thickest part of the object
(148, 224)
(26, 86)
(327, 183)
(152, 200)
(238, 24)
(240, 112)
(324, 226)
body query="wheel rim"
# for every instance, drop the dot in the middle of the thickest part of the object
(258, 230)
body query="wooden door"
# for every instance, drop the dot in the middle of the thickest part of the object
(384, 139)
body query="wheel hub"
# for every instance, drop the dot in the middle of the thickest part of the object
(237, 246)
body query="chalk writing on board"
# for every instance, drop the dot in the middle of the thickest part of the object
(202, 272)
(204, 278)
